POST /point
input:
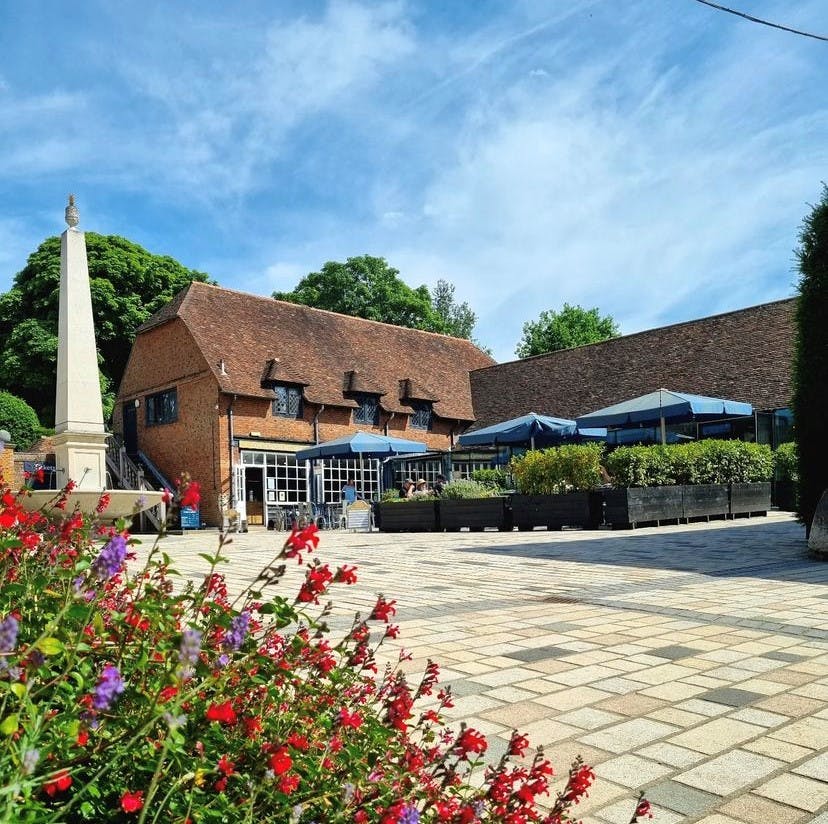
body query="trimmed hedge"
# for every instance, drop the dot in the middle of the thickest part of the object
(20, 420)
(495, 479)
(464, 488)
(567, 468)
(786, 461)
(700, 462)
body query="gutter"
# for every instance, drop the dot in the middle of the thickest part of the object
(391, 417)
(231, 435)
(316, 423)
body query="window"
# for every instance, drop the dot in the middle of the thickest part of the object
(288, 402)
(162, 407)
(368, 410)
(421, 417)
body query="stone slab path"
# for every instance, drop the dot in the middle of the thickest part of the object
(689, 661)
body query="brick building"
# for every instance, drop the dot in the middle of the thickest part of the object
(227, 385)
(743, 356)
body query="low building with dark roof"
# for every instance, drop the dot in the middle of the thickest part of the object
(225, 384)
(744, 355)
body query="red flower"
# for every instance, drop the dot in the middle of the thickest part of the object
(226, 766)
(103, 503)
(289, 783)
(280, 761)
(220, 785)
(190, 494)
(132, 802)
(223, 713)
(298, 742)
(518, 744)
(167, 496)
(350, 719)
(383, 610)
(643, 810)
(346, 575)
(83, 737)
(470, 740)
(167, 693)
(58, 783)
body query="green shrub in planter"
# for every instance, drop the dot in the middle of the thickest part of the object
(640, 466)
(496, 479)
(567, 468)
(786, 462)
(465, 488)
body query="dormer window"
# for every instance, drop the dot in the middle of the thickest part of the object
(367, 411)
(421, 415)
(288, 401)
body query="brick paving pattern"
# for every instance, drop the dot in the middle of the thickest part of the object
(689, 661)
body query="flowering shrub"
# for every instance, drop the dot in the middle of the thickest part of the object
(463, 488)
(144, 697)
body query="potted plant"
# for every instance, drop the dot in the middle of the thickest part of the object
(467, 503)
(555, 487)
(396, 514)
(786, 477)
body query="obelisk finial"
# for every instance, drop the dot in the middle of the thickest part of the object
(72, 214)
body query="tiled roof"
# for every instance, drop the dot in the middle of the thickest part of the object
(259, 339)
(742, 356)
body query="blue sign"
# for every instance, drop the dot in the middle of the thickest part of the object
(190, 517)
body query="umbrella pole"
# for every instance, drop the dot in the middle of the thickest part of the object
(663, 432)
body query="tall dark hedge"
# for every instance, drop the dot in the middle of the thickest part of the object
(810, 402)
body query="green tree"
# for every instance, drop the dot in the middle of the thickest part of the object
(19, 419)
(810, 373)
(571, 326)
(127, 283)
(368, 287)
(458, 318)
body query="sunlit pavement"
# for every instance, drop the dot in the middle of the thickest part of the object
(688, 661)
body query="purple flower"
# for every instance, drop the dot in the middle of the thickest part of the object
(29, 761)
(112, 557)
(110, 686)
(410, 815)
(238, 629)
(8, 633)
(188, 651)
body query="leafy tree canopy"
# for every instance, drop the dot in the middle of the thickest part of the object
(128, 284)
(810, 372)
(19, 419)
(571, 326)
(368, 287)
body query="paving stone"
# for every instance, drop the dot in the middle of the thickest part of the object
(790, 704)
(757, 810)
(716, 735)
(628, 735)
(774, 748)
(808, 732)
(718, 819)
(620, 812)
(815, 767)
(589, 718)
(729, 772)
(731, 696)
(539, 653)
(681, 798)
(795, 791)
(671, 754)
(703, 707)
(675, 651)
(631, 770)
(760, 717)
(570, 699)
(631, 704)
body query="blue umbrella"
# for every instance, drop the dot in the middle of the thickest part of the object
(365, 444)
(533, 429)
(663, 405)
(362, 445)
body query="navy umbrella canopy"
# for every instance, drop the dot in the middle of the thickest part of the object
(534, 429)
(364, 444)
(664, 406)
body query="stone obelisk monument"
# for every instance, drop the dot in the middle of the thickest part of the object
(80, 437)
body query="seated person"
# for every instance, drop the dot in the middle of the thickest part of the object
(407, 489)
(439, 484)
(421, 488)
(349, 493)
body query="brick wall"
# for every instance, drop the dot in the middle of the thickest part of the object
(742, 356)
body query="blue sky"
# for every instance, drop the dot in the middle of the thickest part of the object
(654, 159)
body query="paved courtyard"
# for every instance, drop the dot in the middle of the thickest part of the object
(688, 661)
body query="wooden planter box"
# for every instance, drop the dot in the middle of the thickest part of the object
(784, 495)
(408, 516)
(706, 500)
(750, 499)
(580, 509)
(474, 513)
(625, 508)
